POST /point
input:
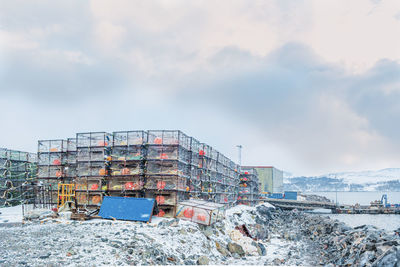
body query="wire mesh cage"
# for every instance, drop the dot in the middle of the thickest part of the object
(200, 211)
(130, 138)
(248, 191)
(17, 168)
(164, 163)
(94, 139)
(168, 137)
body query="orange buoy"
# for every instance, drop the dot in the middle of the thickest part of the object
(56, 162)
(158, 141)
(129, 186)
(161, 213)
(102, 172)
(246, 172)
(58, 174)
(94, 187)
(201, 153)
(164, 156)
(160, 200)
(161, 185)
(188, 213)
(102, 143)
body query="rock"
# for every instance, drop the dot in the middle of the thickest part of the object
(130, 251)
(189, 262)
(277, 261)
(203, 260)
(182, 231)
(168, 223)
(236, 248)
(103, 239)
(45, 256)
(262, 248)
(208, 231)
(221, 249)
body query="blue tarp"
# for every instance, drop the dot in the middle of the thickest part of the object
(127, 208)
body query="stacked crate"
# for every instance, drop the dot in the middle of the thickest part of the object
(162, 164)
(52, 164)
(215, 187)
(92, 167)
(205, 171)
(248, 187)
(232, 181)
(128, 164)
(70, 169)
(167, 169)
(17, 168)
(195, 182)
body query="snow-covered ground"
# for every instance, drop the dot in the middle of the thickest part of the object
(60, 242)
(11, 214)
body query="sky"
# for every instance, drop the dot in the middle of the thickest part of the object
(310, 86)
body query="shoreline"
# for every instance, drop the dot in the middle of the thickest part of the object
(277, 238)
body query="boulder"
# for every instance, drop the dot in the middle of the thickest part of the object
(236, 248)
(203, 260)
(221, 249)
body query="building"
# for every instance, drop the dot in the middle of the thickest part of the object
(271, 178)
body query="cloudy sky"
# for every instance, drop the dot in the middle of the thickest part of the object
(307, 86)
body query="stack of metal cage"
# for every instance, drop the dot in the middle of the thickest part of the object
(93, 167)
(17, 168)
(52, 164)
(166, 165)
(127, 164)
(167, 169)
(248, 187)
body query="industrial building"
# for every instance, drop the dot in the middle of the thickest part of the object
(271, 179)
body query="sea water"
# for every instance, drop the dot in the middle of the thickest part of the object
(388, 222)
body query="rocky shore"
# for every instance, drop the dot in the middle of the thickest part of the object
(247, 236)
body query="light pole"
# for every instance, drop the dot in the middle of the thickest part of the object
(240, 154)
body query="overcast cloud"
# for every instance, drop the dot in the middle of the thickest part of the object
(308, 86)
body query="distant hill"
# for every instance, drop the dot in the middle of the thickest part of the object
(381, 180)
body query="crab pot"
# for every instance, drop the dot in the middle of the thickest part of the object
(125, 184)
(129, 138)
(168, 137)
(88, 199)
(200, 211)
(166, 200)
(167, 167)
(168, 152)
(166, 183)
(119, 168)
(92, 168)
(128, 153)
(94, 139)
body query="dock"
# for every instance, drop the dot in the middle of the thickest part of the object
(290, 204)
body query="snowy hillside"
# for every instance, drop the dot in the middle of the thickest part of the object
(381, 180)
(367, 176)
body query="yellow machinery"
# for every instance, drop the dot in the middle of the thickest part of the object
(66, 194)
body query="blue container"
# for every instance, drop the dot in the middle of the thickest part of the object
(275, 195)
(292, 195)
